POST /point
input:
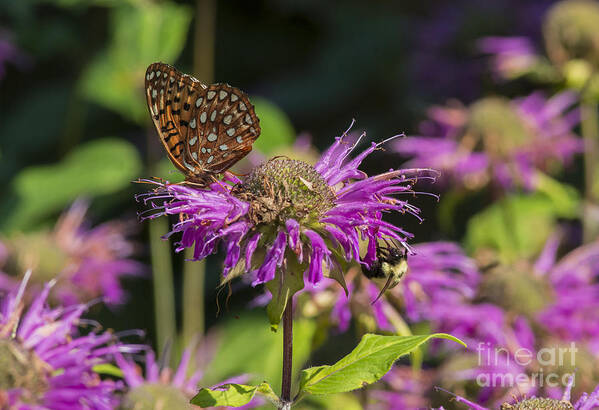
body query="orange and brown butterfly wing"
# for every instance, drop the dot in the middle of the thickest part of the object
(223, 128)
(170, 94)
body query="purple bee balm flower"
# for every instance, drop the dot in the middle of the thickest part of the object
(497, 140)
(440, 276)
(403, 389)
(161, 387)
(287, 213)
(585, 402)
(511, 56)
(439, 285)
(87, 263)
(574, 312)
(46, 363)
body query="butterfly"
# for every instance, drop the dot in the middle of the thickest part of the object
(205, 129)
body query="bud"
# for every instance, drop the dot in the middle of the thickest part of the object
(495, 122)
(571, 32)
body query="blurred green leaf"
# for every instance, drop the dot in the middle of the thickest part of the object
(277, 130)
(564, 198)
(96, 168)
(166, 170)
(345, 401)
(366, 364)
(141, 34)
(48, 105)
(248, 346)
(519, 225)
(233, 395)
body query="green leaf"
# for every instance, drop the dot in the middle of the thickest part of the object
(282, 288)
(142, 33)
(108, 369)
(277, 130)
(518, 226)
(99, 167)
(232, 395)
(367, 363)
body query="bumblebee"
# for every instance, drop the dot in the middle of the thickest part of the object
(391, 263)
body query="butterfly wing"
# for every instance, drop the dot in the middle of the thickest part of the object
(223, 128)
(169, 95)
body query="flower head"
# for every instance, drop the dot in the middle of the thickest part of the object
(87, 263)
(162, 387)
(585, 402)
(45, 362)
(498, 140)
(287, 211)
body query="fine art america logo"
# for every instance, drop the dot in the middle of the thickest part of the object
(524, 367)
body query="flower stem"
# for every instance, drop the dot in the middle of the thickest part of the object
(287, 353)
(164, 293)
(194, 274)
(590, 134)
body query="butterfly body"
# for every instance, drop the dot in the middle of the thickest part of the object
(205, 129)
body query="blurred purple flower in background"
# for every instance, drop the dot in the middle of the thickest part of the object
(574, 312)
(46, 363)
(162, 387)
(290, 206)
(511, 56)
(88, 263)
(497, 141)
(403, 389)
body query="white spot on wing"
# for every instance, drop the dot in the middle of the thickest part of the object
(239, 139)
(211, 94)
(222, 95)
(154, 93)
(203, 117)
(151, 75)
(199, 101)
(227, 119)
(203, 150)
(234, 97)
(193, 140)
(248, 119)
(192, 123)
(242, 106)
(223, 147)
(210, 158)
(212, 137)
(231, 132)
(188, 166)
(213, 116)
(194, 155)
